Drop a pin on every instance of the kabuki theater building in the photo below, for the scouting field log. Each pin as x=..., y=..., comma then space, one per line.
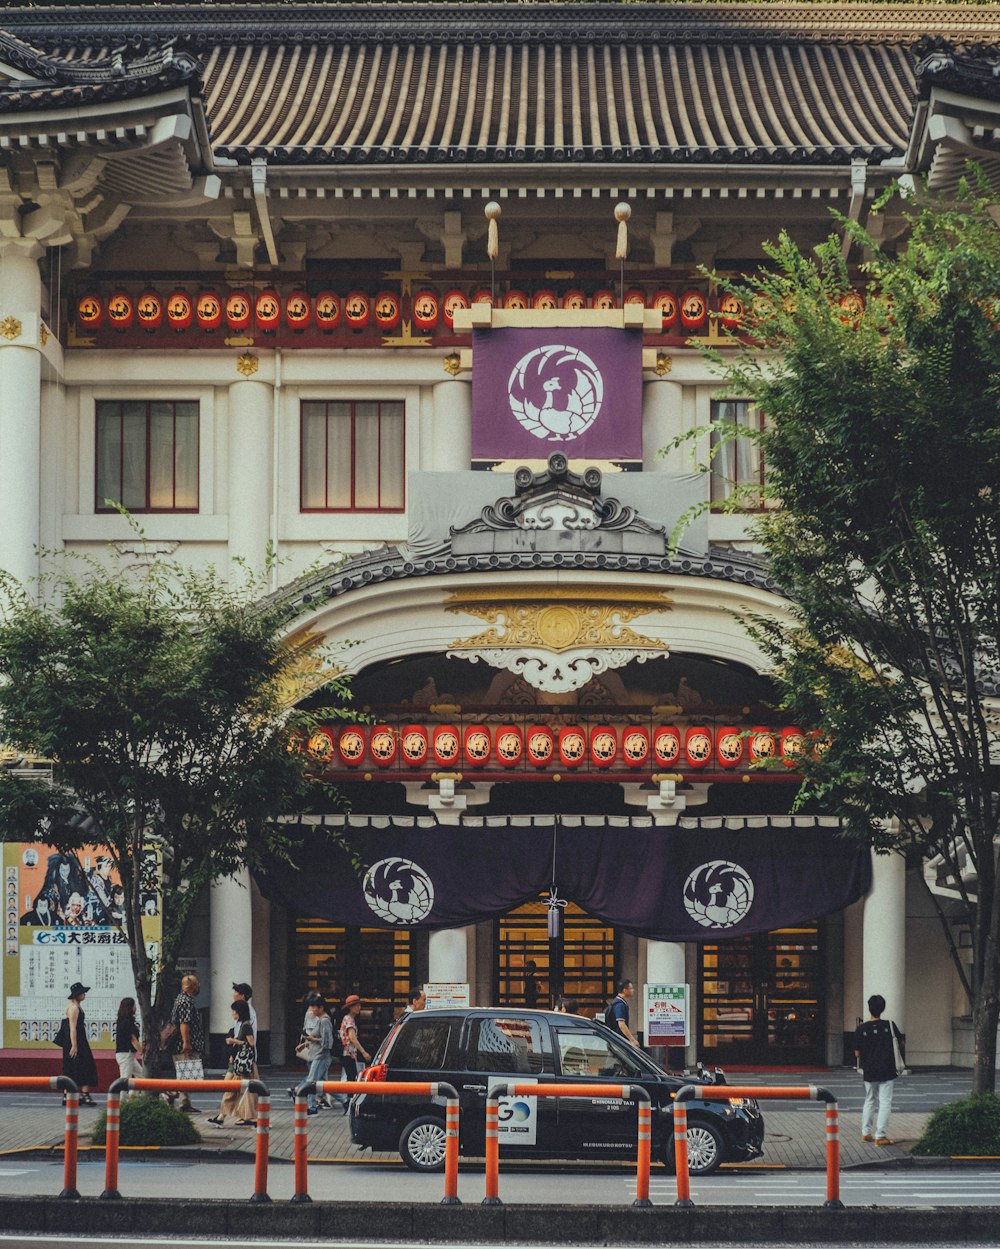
x=415, y=294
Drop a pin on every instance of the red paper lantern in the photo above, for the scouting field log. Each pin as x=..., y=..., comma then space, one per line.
x=731, y=311
x=603, y=746
x=763, y=745
x=540, y=745
x=413, y=745
x=635, y=746
x=426, y=310
x=351, y=745
x=321, y=746
x=267, y=310
x=693, y=310
x=180, y=310
x=239, y=309
x=149, y=310
x=820, y=743
x=510, y=745
x=387, y=310
x=605, y=300
x=298, y=311
x=635, y=296
x=574, y=300
x=208, y=310
x=121, y=310
x=572, y=746
x=483, y=296
x=666, y=302
x=698, y=746
x=89, y=311
x=327, y=309
x=357, y=310
x=728, y=746
x=852, y=307
x=666, y=745
x=545, y=300
x=792, y=746
x=446, y=745
x=451, y=303
x=382, y=745
x=515, y=299
x=477, y=745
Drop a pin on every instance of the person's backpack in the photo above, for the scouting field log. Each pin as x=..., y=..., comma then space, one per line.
x=608, y=1018
x=337, y=1048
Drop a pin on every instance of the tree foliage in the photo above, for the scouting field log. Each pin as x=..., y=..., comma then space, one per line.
x=882, y=455
x=164, y=697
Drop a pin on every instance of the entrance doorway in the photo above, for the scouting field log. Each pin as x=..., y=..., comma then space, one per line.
x=761, y=999
x=532, y=969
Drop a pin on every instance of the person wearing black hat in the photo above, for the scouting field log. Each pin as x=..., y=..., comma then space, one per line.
x=242, y=992
x=78, y=1061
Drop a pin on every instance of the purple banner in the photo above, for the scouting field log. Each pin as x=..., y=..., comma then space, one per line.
x=578, y=391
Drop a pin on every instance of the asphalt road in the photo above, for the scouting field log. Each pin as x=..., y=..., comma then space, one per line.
x=920, y=1188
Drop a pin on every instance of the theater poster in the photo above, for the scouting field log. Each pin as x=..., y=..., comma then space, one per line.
x=64, y=921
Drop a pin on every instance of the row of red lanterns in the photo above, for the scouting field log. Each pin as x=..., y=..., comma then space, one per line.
x=475, y=746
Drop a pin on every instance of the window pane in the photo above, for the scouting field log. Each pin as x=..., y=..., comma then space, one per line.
x=422, y=1045
x=161, y=455
x=109, y=447
x=736, y=460
x=338, y=488
x=587, y=1054
x=133, y=494
x=507, y=1045
x=186, y=455
x=366, y=442
x=314, y=455
x=391, y=455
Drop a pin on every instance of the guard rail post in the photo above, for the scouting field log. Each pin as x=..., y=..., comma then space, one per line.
x=512, y=1089
x=377, y=1088
x=64, y=1085
x=810, y=1092
x=112, y=1140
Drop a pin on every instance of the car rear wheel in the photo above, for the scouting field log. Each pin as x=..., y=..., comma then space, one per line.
x=422, y=1144
x=706, y=1151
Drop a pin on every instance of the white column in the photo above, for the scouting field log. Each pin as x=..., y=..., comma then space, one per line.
x=452, y=427
x=260, y=971
x=20, y=406
x=665, y=963
x=661, y=421
x=231, y=932
x=448, y=956
x=885, y=937
x=251, y=415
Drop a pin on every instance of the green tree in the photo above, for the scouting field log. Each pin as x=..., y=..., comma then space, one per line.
x=882, y=454
x=165, y=698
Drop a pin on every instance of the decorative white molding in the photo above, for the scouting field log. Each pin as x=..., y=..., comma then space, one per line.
x=557, y=673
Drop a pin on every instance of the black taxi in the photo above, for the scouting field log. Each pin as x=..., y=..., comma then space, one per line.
x=475, y=1048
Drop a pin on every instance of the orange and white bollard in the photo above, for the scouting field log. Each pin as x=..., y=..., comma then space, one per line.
x=645, y=1143
x=263, y=1147
x=451, y=1153
x=681, y=1155
x=70, y=1145
x=492, y=1197
x=111, y=1141
x=833, y=1201
x=300, y=1149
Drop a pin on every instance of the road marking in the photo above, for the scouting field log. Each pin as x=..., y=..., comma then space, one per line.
x=11, y=1171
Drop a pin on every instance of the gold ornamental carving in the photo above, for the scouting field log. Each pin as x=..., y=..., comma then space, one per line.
x=43, y=334
x=10, y=328
x=247, y=364
x=452, y=364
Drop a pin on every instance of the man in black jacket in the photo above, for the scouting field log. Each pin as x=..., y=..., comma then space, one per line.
x=876, y=1055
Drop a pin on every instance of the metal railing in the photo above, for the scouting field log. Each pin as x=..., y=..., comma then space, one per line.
x=113, y=1133
x=377, y=1088
x=624, y=1091
x=808, y=1092
x=59, y=1084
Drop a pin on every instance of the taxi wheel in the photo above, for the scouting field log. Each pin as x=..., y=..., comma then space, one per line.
x=422, y=1144
x=706, y=1151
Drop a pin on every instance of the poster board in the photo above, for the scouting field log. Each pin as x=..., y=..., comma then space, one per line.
x=64, y=922
x=667, y=1013
x=446, y=994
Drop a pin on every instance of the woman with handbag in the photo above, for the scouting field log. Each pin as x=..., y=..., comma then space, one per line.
x=78, y=1062
x=126, y=1041
x=242, y=1056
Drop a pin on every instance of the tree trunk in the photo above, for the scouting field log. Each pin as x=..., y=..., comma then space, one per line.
x=984, y=1022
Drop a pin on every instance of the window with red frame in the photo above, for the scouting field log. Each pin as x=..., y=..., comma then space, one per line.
x=352, y=455
x=736, y=458
x=147, y=455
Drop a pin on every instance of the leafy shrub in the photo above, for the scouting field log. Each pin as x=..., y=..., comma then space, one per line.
x=969, y=1127
x=146, y=1120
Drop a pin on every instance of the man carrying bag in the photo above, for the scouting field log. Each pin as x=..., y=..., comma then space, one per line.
x=878, y=1048
x=188, y=1042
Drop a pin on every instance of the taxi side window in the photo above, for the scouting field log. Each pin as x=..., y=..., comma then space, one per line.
x=422, y=1045
x=585, y=1054
x=507, y=1046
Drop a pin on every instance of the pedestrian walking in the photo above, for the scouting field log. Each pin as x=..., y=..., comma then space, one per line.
x=188, y=1043
x=241, y=1042
x=316, y=1048
x=617, y=1015
x=879, y=1048
x=78, y=1061
x=244, y=992
x=349, y=1037
x=127, y=1041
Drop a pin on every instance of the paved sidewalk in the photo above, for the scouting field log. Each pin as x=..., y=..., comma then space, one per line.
x=794, y=1130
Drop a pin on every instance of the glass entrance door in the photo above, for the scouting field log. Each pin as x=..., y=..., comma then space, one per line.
x=761, y=999
x=533, y=970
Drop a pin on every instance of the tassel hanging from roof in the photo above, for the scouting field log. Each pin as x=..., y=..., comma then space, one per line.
x=623, y=212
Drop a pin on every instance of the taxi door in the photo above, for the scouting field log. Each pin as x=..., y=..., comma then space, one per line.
x=507, y=1048
x=602, y=1126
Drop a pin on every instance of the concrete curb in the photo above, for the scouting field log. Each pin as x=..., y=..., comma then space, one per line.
x=522, y=1224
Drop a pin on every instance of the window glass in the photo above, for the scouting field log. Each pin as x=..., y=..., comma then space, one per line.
x=313, y=455
x=507, y=1046
x=736, y=460
x=147, y=455
x=340, y=464
x=109, y=452
x=391, y=455
x=589, y=1054
x=186, y=455
x=366, y=455
x=134, y=455
x=422, y=1045
x=352, y=455
x=161, y=455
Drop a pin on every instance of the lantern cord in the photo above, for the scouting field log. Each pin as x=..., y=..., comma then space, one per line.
x=554, y=903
